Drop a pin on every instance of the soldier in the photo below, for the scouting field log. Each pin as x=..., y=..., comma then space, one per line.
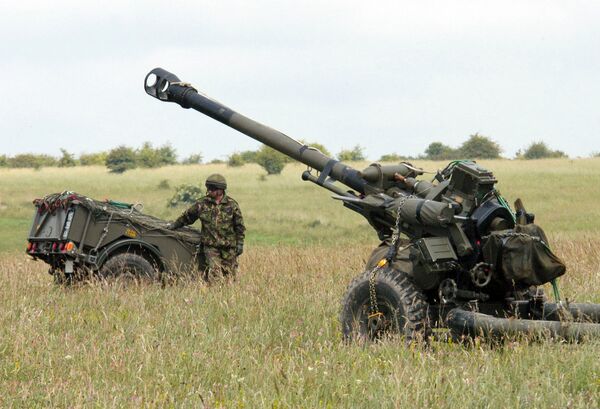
x=222, y=234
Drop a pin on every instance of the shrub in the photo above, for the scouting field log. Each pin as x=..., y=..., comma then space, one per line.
x=271, y=160
x=439, y=151
x=479, y=147
x=3, y=161
x=66, y=160
x=164, y=184
x=216, y=161
x=167, y=155
x=539, y=150
x=193, y=159
x=390, y=157
x=352, y=155
x=30, y=160
x=235, y=160
x=149, y=157
x=249, y=156
x=185, y=194
x=91, y=159
x=121, y=159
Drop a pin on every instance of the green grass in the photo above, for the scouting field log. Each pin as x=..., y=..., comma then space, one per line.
x=272, y=339
x=13, y=233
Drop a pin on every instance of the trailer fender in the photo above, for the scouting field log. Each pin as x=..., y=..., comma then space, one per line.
x=123, y=246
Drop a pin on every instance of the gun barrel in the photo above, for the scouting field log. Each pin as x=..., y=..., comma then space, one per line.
x=165, y=86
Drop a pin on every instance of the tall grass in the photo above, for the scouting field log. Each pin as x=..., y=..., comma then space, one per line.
x=271, y=339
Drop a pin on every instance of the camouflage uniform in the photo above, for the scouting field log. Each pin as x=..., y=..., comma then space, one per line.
x=221, y=236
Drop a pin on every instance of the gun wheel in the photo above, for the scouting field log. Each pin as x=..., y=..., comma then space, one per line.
x=403, y=309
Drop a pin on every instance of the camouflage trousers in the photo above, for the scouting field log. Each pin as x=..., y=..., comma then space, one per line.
x=220, y=263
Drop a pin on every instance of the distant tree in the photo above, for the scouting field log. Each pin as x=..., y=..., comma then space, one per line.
x=147, y=156
x=235, y=160
x=249, y=156
x=216, y=161
x=121, y=159
x=167, y=155
x=30, y=160
x=439, y=151
x=352, y=155
x=271, y=160
x=479, y=147
x=539, y=150
x=193, y=159
x=92, y=159
x=390, y=157
x=150, y=157
x=66, y=160
x=3, y=161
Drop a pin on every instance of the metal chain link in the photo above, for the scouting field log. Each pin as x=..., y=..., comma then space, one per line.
x=395, y=237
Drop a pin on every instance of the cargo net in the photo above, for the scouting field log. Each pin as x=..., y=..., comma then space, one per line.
x=115, y=211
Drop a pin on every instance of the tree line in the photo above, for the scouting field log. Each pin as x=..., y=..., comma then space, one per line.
x=123, y=158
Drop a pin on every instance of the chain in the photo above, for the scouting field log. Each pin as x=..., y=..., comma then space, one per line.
x=375, y=313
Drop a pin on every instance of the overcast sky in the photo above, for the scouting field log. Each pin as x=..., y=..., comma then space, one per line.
x=391, y=76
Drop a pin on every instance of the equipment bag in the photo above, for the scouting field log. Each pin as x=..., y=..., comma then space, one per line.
x=522, y=255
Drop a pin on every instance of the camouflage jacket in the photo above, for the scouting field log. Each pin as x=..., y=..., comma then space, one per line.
x=222, y=223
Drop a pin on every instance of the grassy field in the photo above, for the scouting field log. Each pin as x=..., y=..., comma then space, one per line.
x=272, y=339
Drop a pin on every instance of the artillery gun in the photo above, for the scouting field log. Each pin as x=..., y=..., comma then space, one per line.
x=452, y=254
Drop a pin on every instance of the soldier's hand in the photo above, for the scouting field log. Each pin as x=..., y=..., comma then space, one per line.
x=173, y=226
x=239, y=249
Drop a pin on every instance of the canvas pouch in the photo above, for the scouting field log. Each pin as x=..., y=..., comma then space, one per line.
x=522, y=255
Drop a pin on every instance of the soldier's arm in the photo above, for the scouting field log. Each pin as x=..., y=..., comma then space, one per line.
x=238, y=224
x=188, y=217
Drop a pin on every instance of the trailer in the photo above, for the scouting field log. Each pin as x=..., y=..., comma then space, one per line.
x=79, y=237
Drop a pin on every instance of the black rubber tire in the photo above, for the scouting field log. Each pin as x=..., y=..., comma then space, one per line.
x=128, y=266
x=403, y=305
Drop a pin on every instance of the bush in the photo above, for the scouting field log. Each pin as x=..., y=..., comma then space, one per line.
x=390, y=157
x=164, y=184
x=167, y=155
x=539, y=150
x=66, y=160
x=92, y=159
x=30, y=160
x=439, y=151
x=149, y=157
x=185, y=194
x=235, y=160
x=121, y=159
x=352, y=155
x=216, y=161
x=3, y=161
x=479, y=147
x=249, y=156
x=193, y=159
x=271, y=160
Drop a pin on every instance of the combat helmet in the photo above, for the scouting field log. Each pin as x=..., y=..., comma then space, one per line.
x=216, y=180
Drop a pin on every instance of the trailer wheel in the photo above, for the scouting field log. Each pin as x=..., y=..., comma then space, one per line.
x=403, y=308
x=127, y=266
